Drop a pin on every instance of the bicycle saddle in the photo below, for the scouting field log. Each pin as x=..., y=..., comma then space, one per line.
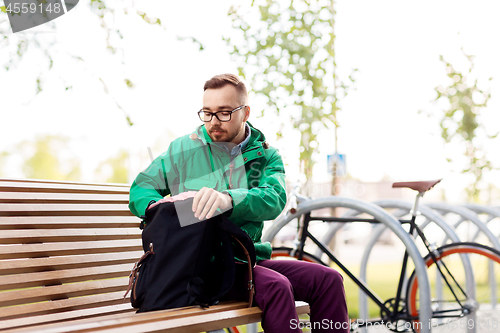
x=421, y=186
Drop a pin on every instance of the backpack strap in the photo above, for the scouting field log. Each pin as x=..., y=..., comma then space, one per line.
x=132, y=278
x=235, y=231
x=251, y=289
x=248, y=250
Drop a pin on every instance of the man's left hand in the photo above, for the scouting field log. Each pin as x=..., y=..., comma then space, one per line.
x=207, y=200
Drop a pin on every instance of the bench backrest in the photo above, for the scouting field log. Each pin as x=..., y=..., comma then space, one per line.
x=66, y=250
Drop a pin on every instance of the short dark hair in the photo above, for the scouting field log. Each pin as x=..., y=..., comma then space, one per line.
x=221, y=80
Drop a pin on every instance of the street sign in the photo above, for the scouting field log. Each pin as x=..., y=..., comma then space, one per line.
x=339, y=160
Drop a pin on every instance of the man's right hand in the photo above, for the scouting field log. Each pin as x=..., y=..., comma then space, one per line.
x=207, y=200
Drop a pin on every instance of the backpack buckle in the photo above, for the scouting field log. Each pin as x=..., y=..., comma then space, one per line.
x=250, y=285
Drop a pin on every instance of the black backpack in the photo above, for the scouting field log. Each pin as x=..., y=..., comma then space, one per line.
x=190, y=264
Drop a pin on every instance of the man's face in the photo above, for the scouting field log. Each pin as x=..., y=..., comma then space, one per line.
x=226, y=98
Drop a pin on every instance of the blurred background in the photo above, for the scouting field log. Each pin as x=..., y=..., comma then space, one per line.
x=389, y=90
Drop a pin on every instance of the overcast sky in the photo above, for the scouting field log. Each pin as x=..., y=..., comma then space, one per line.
x=395, y=45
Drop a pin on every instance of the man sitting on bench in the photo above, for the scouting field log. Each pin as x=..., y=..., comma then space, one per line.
x=249, y=187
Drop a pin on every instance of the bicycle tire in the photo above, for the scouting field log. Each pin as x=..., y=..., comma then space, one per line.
x=284, y=252
x=485, y=316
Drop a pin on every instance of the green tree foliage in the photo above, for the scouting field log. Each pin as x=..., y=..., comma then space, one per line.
x=461, y=122
x=289, y=58
x=114, y=169
x=44, y=46
x=47, y=158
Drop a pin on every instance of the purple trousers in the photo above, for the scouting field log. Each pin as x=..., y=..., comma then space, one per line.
x=279, y=283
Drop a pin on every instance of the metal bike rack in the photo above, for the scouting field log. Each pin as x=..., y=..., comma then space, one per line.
x=491, y=211
x=492, y=214
x=385, y=218
x=403, y=209
x=465, y=215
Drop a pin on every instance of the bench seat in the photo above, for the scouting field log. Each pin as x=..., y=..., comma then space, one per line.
x=66, y=250
x=188, y=319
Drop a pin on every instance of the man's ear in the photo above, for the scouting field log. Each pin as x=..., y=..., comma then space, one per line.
x=247, y=113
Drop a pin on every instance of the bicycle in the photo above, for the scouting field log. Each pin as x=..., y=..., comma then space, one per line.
x=463, y=298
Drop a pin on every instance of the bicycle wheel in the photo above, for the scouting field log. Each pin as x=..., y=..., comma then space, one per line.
x=480, y=297
x=286, y=253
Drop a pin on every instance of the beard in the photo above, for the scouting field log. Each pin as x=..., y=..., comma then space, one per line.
x=224, y=135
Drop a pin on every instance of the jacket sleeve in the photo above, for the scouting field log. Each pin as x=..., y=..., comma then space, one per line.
x=150, y=185
x=266, y=201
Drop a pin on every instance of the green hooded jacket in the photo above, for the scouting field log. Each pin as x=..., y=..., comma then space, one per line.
x=255, y=179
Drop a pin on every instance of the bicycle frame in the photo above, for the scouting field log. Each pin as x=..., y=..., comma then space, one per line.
x=394, y=314
x=304, y=234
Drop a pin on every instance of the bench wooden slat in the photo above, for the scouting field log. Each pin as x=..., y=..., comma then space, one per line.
x=7, y=186
x=124, y=319
x=193, y=324
x=67, y=222
x=64, y=249
x=19, y=266
x=120, y=318
x=66, y=235
x=63, y=198
x=8, y=282
x=199, y=323
x=92, y=314
x=50, y=293
x=69, y=304
x=63, y=210
x=48, y=181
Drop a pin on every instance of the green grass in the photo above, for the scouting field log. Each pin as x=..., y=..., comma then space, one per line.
x=382, y=280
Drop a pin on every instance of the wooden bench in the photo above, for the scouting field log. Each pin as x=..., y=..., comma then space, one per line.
x=66, y=250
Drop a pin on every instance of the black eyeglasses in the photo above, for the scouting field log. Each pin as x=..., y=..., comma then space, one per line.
x=223, y=116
